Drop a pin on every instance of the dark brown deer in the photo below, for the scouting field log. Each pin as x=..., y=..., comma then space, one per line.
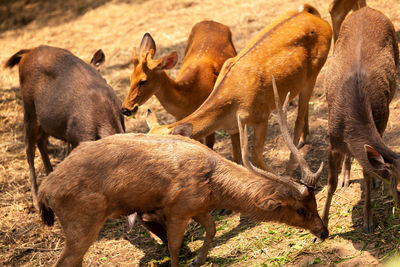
x=209, y=46
x=293, y=48
x=173, y=177
x=360, y=83
x=63, y=97
x=339, y=9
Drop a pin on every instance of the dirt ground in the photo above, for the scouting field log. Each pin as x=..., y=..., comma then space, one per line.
x=116, y=27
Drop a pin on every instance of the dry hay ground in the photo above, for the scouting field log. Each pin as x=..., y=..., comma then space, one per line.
x=117, y=26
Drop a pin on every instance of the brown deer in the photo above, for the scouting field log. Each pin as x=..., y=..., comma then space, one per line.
x=209, y=46
x=360, y=83
x=170, y=176
x=63, y=97
x=339, y=9
x=293, y=48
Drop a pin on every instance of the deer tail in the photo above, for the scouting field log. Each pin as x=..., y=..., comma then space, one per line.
x=46, y=213
x=16, y=58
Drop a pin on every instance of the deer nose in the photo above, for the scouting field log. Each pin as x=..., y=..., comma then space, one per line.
x=126, y=112
x=324, y=234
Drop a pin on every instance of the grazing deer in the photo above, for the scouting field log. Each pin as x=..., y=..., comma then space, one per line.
x=339, y=9
x=63, y=97
x=293, y=48
x=360, y=83
x=174, y=177
x=209, y=46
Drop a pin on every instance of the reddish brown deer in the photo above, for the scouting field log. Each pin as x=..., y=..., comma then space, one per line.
x=63, y=97
x=360, y=83
x=339, y=9
x=209, y=46
x=293, y=48
x=173, y=177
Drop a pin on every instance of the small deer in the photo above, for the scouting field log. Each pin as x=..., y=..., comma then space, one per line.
x=209, y=46
x=293, y=48
x=339, y=9
x=63, y=97
x=174, y=178
x=360, y=83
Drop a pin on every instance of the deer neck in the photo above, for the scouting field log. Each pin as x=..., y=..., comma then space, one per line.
x=236, y=188
x=172, y=96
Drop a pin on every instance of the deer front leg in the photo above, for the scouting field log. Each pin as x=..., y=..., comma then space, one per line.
x=236, y=151
x=334, y=159
x=260, y=133
x=368, y=226
x=301, y=126
x=176, y=226
x=208, y=223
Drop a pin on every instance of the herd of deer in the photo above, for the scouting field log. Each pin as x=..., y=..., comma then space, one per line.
x=166, y=179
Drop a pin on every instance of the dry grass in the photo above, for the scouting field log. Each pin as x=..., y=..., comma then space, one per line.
x=117, y=26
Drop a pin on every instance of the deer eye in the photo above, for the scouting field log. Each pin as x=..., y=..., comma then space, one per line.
x=301, y=212
x=141, y=83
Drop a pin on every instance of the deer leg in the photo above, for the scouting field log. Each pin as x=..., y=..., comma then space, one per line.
x=301, y=126
x=79, y=237
x=210, y=140
x=344, y=180
x=42, y=144
x=236, y=151
x=334, y=159
x=338, y=10
x=176, y=227
x=155, y=223
x=260, y=133
x=31, y=132
x=368, y=222
x=208, y=223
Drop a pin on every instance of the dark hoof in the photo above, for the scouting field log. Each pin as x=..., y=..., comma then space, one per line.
x=369, y=229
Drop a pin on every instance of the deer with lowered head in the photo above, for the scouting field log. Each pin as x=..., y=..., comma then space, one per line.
x=293, y=48
x=209, y=46
x=175, y=177
x=65, y=98
x=360, y=83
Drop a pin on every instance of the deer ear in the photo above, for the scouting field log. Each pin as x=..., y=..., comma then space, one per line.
x=147, y=45
x=269, y=204
x=98, y=58
x=185, y=129
x=168, y=61
x=374, y=158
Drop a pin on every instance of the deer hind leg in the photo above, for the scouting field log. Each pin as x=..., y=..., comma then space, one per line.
x=80, y=232
x=301, y=128
x=176, y=226
x=208, y=223
x=42, y=145
x=344, y=180
x=31, y=133
x=334, y=160
x=260, y=133
x=338, y=10
x=368, y=226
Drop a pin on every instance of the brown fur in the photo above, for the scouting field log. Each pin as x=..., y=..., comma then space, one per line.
x=65, y=98
x=360, y=83
x=209, y=46
x=173, y=175
x=293, y=49
x=339, y=9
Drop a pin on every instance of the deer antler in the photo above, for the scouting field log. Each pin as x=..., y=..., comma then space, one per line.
x=244, y=143
x=307, y=176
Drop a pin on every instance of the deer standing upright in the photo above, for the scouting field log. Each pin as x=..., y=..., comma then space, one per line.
x=293, y=48
x=209, y=46
x=63, y=97
x=360, y=83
